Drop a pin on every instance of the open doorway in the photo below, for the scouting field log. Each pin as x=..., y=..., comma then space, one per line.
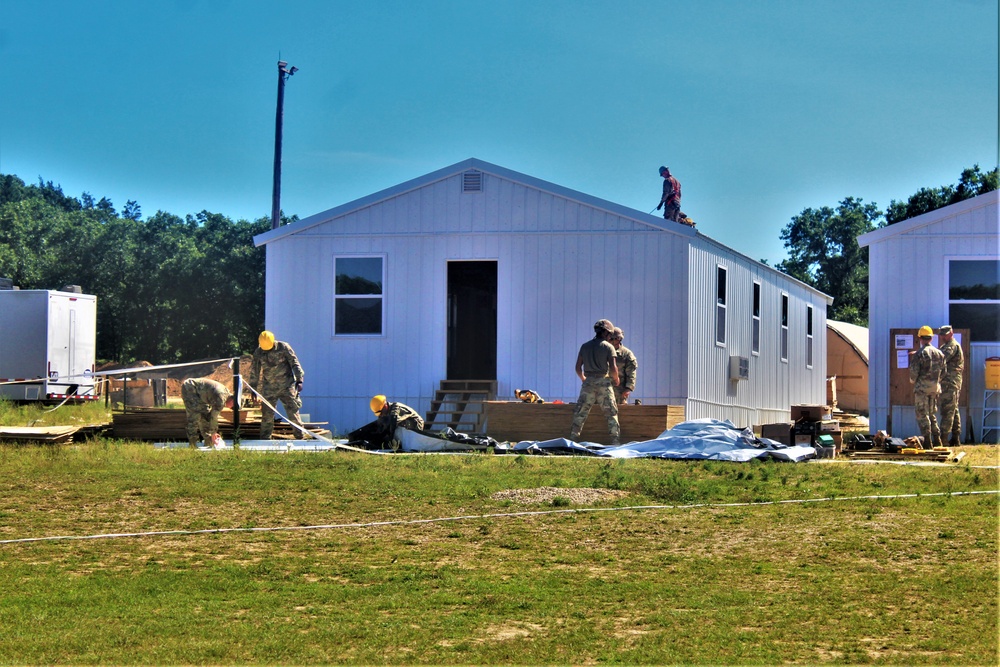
x=472, y=320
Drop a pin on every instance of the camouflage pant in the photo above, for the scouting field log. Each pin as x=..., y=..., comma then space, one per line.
x=925, y=406
x=289, y=400
x=596, y=391
x=672, y=211
x=951, y=417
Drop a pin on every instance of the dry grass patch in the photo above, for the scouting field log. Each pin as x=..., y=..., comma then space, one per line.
x=550, y=494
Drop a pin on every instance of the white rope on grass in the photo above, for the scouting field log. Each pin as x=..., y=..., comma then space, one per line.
x=475, y=517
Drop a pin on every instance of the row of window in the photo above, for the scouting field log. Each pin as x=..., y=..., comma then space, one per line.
x=721, y=302
x=973, y=302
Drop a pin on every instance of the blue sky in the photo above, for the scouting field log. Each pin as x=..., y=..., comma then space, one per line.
x=761, y=109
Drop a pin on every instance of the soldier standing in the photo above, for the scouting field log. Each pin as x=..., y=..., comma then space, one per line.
x=670, y=201
x=596, y=367
x=277, y=375
x=203, y=401
x=951, y=386
x=926, y=367
x=627, y=366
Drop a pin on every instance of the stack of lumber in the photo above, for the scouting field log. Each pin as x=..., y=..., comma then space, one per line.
x=44, y=434
x=514, y=421
x=941, y=454
x=170, y=424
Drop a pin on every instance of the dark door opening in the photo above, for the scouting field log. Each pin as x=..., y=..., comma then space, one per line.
x=472, y=320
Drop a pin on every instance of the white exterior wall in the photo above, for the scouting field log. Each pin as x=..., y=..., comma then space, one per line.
x=561, y=267
x=908, y=287
x=774, y=385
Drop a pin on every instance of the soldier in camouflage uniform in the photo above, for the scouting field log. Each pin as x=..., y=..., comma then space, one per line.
x=627, y=366
x=596, y=367
x=392, y=416
x=926, y=368
x=203, y=401
x=951, y=386
x=277, y=375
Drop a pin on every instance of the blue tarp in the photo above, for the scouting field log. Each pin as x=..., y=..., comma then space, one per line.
x=709, y=439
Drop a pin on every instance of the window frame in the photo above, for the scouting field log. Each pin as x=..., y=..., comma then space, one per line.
x=951, y=303
x=721, y=304
x=755, y=309
x=809, y=335
x=783, y=321
x=344, y=297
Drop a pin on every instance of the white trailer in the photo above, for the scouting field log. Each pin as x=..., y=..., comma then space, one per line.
x=48, y=345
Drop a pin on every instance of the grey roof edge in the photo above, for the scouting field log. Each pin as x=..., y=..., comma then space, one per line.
x=929, y=218
x=457, y=168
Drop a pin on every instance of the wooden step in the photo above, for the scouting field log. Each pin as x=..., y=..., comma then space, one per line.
x=460, y=405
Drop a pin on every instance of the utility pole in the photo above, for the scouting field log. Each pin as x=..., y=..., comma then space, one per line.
x=283, y=73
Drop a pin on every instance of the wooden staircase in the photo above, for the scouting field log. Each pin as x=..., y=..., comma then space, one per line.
x=460, y=405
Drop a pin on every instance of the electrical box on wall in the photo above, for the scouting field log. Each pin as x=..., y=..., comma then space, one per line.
x=739, y=368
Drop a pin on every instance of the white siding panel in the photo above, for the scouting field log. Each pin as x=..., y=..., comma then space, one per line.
x=773, y=385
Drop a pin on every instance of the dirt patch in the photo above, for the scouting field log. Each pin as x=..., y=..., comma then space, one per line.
x=547, y=494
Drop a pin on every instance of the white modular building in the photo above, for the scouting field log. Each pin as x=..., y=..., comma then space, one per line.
x=942, y=267
x=479, y=272
x=48, y=343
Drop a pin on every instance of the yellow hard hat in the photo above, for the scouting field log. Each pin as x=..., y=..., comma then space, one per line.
x=926, y=332
x=266, y=340
x=378, y=402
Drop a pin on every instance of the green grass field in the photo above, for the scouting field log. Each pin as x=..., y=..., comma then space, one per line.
x=434, y=559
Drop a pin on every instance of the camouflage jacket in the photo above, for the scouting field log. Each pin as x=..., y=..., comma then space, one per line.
x=277, y=368
x=400, y=415
x=627, y=366
x=954, y=364
x=211, y=395
x=926, y=368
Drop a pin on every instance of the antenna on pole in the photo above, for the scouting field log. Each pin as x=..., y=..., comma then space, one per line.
x=284, y=71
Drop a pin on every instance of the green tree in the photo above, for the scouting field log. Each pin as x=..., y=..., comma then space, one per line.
x=824, y=252
x=971, y=183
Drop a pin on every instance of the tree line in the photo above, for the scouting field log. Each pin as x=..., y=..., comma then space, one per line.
x=174, y=289
x=169, y=289
x=822, y=244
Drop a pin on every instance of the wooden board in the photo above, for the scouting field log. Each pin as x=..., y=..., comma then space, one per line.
x=51, y=434
x=514, y=421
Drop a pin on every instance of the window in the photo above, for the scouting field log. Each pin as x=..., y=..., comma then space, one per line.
x=974, y=297
x=720, y=305
x=784, y=327
x=755, y=321
x=358, y=298
x=809, y=336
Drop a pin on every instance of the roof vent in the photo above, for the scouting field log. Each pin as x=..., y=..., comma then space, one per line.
x=472, y=181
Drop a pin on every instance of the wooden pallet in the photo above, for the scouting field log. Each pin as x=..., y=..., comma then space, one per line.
x=460, y=405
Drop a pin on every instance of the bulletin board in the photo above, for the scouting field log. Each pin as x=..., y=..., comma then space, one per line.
x=901, y=341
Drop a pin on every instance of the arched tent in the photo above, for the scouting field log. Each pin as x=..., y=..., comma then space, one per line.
x=847, y=361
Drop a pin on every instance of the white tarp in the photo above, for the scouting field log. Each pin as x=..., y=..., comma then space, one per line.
x=695, y=439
